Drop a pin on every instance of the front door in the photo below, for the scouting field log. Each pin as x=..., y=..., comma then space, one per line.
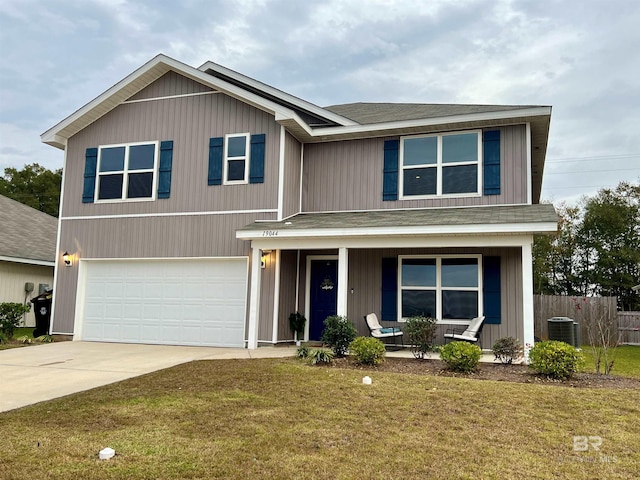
x=323, y=295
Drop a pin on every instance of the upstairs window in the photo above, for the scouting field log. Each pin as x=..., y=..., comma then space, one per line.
x=440, y=165
x=126, y=172
x=236, y=158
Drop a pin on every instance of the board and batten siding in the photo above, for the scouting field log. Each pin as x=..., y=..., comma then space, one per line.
x=146, y=237
x=287, y=300
x=347, y=175
x=190, y=122
x=171, y=83
x=365, y=278
x=292, y=166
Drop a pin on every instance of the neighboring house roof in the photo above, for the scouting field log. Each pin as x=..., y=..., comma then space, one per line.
x=27, y=235
x=442, y=221
x=310, y=123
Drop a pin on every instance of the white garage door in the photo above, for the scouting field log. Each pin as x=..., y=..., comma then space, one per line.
x=171, y=302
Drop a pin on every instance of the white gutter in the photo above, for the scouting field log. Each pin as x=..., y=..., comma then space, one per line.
x=395, y=231
x=27, y=261
x=427, y=122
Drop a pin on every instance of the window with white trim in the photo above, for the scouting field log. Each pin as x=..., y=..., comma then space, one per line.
x=443, y=287
x=127, y=172
x=236, y=158
x=441, y=165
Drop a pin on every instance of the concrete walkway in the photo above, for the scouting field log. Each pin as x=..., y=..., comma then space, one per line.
x=42, y=372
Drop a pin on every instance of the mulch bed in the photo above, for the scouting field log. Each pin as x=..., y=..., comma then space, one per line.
x=490, y=371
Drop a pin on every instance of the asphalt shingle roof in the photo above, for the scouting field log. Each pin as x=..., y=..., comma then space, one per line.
x=369, y=113
x=509, y=214
x=26, y=233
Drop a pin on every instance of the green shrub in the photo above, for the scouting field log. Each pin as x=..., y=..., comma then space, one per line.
x=10, y=316
x=302, y=351
x=367, y=350
x=320, y=356
x=3, y=338
x=338, y=333
x=420, y=331
x=507, y=349
x=555, y=359
x=26, y=339
x=461, y=356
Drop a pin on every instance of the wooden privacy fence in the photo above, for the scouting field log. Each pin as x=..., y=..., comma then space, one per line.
x=581, y=309
x=629, y=327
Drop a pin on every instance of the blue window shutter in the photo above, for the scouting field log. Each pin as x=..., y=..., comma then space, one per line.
x=390, y=178
x=215, y=161
x=164, y=172
x=389, y=309
x=491, y=161
x=256, y=159
x=491, y=286
x=90, y=165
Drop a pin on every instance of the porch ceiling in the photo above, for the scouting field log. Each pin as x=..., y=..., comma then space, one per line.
x=512, y=219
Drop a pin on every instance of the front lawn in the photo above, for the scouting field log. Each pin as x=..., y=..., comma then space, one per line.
x=278, y=418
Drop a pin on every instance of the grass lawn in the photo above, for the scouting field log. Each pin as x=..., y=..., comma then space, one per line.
x=627, y=360
x=279, y=418
x=18, y=333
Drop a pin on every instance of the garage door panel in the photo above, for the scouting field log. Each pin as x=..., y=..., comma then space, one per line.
x=186, y=302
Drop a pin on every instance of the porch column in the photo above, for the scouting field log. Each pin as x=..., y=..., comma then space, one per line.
x=343, y=280
x=254, y=299
x=527, y=296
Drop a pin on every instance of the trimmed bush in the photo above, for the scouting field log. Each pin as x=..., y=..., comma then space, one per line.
x=10, y=316
x=320, y=356
x=338, y=333
x=367, y=350
x=555, y=359
x=507, y=349
x=420, y=331
x=461, y=356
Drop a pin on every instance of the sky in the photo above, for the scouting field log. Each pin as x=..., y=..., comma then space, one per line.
x=582, y=57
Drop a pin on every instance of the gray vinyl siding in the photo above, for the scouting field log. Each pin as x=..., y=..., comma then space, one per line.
x=190, y=122
x=365, y=278
x=267, y=289
x=348, y=175
x=171, y=83
x=292, y=166
x=287, y=302
x=148, y=237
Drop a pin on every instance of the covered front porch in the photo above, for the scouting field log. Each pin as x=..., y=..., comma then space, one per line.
x=396, y=265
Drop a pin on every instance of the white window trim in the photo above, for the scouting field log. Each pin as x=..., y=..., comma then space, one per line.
x=439, y=288
x=246, y=159
x=439, y=166
x=125, y=173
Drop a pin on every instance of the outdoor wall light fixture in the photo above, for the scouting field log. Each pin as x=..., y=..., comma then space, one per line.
x=66, y=258
x=263, y=258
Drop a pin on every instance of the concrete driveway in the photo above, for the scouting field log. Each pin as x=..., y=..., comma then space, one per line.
x=37, y=373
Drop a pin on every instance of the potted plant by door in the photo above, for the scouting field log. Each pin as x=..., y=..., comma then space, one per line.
x=297, y=323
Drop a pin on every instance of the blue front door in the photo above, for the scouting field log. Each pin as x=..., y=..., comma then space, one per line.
x=323, y=296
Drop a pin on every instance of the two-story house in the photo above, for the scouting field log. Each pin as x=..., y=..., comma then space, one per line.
x=202, y=207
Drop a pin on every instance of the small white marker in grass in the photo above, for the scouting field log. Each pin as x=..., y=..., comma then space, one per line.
x=107, y=453
x=366, y=380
